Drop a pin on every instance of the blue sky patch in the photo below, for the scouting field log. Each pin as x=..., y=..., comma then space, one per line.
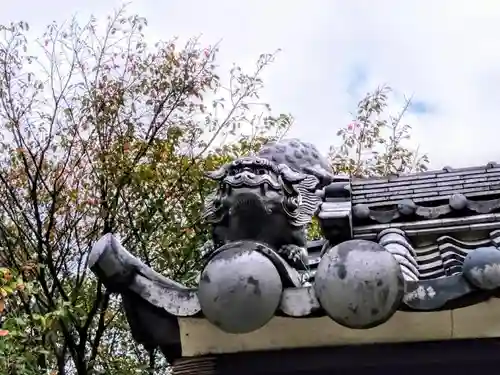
x=357, y=80
x=420, y=107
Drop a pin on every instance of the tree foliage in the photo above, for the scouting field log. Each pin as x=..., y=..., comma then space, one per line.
x=375, y=142
x=101, y=132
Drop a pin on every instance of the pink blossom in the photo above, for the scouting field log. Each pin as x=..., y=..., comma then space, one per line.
x=353, y=125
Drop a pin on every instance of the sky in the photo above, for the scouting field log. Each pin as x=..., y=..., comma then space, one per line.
x=445, y=54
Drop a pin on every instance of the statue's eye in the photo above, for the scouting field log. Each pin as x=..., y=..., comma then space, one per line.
x=261, y=171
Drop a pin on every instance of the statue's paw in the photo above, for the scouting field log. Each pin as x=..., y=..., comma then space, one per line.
x=295, y=255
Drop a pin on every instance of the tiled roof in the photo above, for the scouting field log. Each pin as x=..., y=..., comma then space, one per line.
x=427, y=186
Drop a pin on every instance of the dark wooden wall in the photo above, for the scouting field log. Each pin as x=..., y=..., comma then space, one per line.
x=465, y=357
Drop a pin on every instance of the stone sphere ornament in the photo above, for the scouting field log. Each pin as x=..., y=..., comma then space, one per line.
x=359, y=284
x=458, y=201
x=482, y=268
x=361, y=211
x=407, y=207
x=240, y=288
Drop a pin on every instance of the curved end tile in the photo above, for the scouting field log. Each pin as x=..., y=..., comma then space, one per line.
x=428, y=295
x=177, y=302
x=120, y=271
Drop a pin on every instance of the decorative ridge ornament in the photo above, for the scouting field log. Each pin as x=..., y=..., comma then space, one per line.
x=260, y=264
x=269, y=198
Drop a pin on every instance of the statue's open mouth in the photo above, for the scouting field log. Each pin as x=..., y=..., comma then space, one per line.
x=247, y=200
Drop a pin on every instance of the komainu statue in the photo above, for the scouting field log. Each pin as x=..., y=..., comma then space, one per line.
x=382, y=251
x=270, y=197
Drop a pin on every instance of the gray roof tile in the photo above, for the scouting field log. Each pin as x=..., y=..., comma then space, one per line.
x=427, y=186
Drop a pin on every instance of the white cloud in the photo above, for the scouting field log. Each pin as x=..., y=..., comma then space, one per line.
x=444, y=53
